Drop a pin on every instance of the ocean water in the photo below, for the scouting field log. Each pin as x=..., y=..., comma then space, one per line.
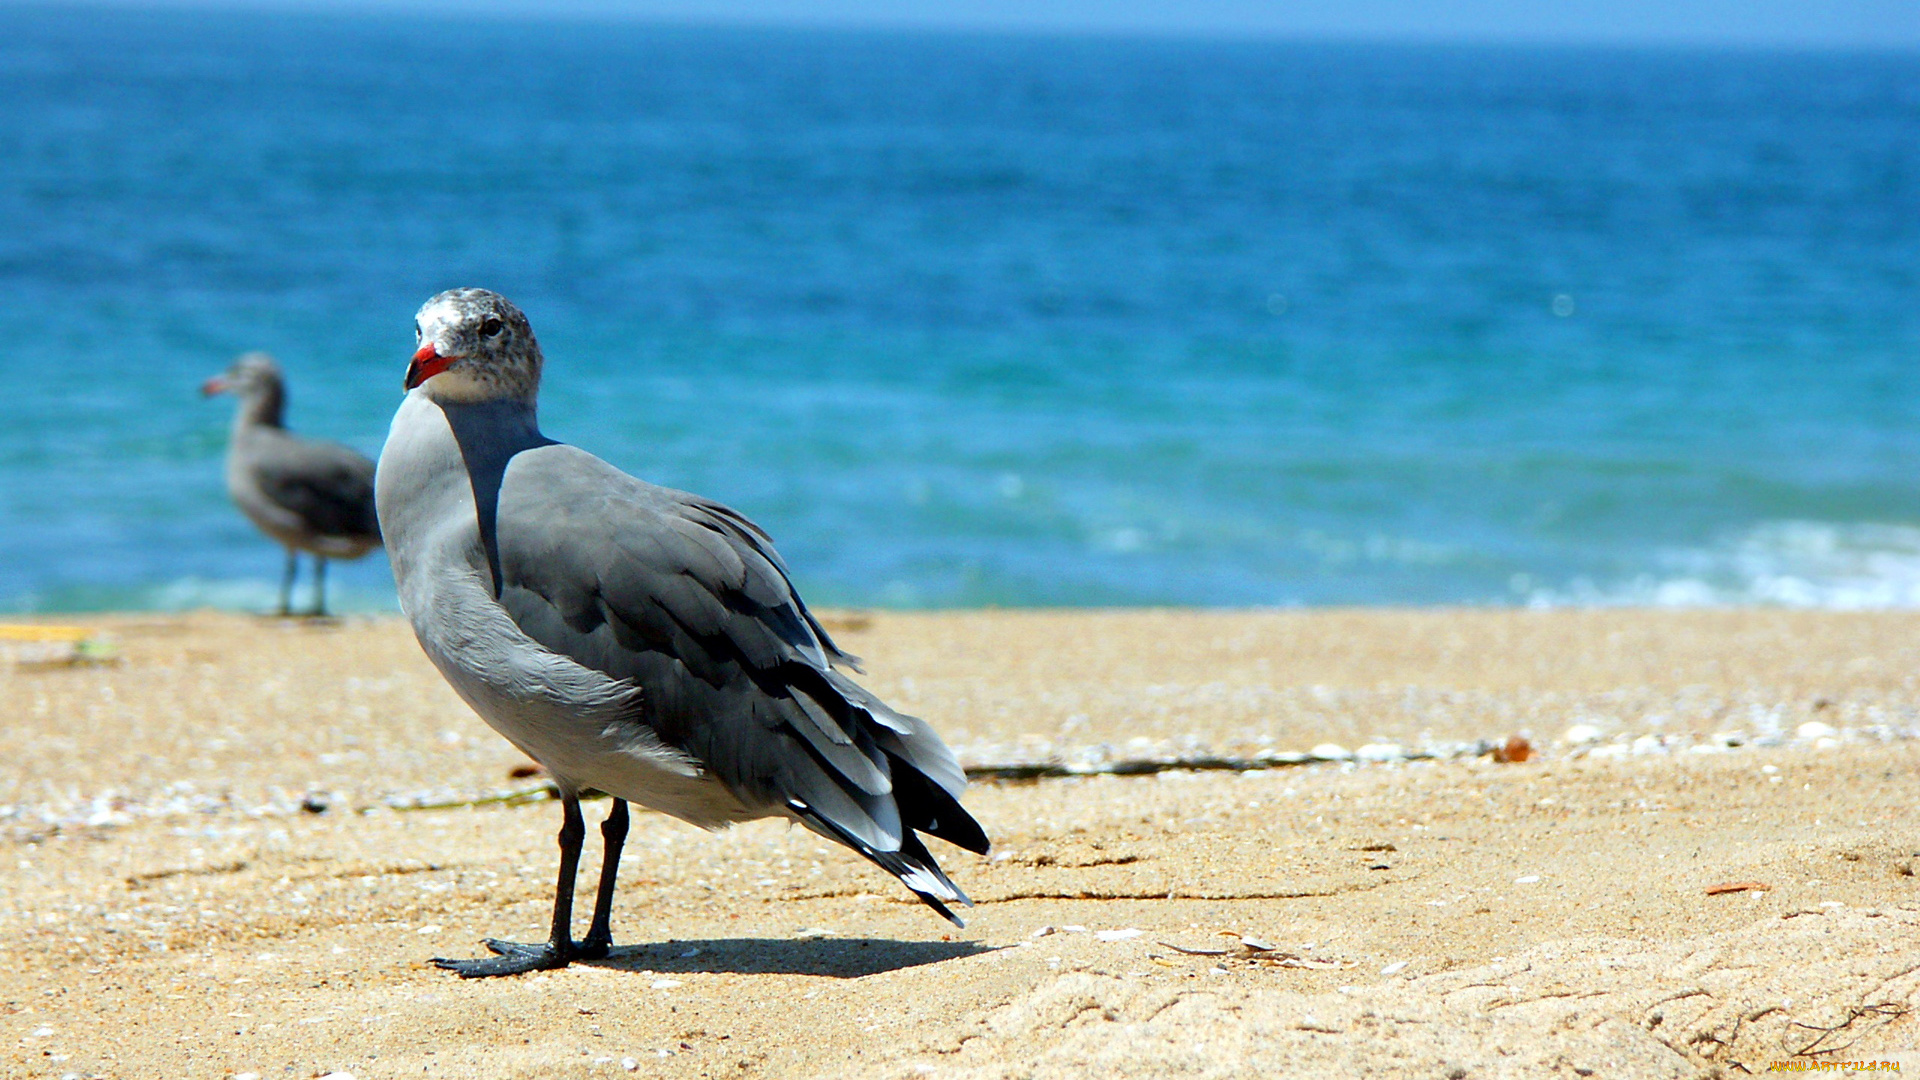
x=972, y=320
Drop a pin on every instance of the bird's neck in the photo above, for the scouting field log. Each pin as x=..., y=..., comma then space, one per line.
x=491, y=432
x=264, y=406
x=484, y=386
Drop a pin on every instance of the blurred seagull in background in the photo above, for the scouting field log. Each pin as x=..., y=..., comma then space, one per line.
x=631, y=638
x=309, y=495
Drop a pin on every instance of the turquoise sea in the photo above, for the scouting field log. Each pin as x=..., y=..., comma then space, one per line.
x=970, y=320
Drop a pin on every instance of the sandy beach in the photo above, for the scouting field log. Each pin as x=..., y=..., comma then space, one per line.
x=234, y=843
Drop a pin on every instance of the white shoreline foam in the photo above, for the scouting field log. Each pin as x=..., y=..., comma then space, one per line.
x=1796, y=564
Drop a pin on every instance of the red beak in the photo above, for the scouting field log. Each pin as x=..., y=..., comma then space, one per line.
x=215, y=385
x=426, y=364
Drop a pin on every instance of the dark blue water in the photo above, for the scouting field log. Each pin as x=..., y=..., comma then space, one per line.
x=972, y=320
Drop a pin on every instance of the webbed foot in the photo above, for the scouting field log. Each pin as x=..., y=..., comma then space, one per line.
x=513, y=958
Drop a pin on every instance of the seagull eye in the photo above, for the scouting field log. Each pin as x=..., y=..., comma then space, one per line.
x=491, y=327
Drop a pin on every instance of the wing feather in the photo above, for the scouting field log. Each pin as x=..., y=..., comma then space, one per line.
x=688, y=601
x=327, y=486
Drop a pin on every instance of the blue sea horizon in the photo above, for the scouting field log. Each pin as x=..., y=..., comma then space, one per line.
x=978, y=320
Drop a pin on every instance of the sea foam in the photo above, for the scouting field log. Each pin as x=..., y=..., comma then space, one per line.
x=1798, y=564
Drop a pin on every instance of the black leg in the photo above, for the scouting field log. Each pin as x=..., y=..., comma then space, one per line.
x=514, y=957
x=599, y=937
x=286, y=584
x=319, y=586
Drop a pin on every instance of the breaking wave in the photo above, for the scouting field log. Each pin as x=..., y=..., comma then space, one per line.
x=1798, y=564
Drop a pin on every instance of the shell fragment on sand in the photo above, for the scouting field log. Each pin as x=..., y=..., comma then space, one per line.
x=1514, y=750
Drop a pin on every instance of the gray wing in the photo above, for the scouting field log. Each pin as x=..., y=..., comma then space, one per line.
x=687, y=600
x=328, y=486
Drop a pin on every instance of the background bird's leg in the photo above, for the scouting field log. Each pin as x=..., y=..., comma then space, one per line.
x=557, y=950
x=286, y=583
x=319, y=585
x=599, y=937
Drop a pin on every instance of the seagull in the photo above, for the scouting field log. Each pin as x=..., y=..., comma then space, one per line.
x=310, y=495
x=633, y=639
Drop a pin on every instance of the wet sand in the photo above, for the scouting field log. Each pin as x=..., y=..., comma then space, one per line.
x=234, y=849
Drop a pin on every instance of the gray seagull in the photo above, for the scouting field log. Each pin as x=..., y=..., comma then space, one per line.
x=631, y=638
x=309, y=495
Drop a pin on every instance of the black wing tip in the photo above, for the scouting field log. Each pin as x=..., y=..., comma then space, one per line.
x=971, y=837
x=940, y=906
x=956, y=827
x=912, y=859
x=932, y=809
x=945, y=911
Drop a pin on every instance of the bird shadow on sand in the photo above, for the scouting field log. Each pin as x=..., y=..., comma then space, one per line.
x=837, y=958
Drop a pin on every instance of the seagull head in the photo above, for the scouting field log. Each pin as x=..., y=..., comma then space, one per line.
x=474, y=345
x=252, y=374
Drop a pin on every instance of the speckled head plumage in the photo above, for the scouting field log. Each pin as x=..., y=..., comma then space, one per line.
x=474, y=345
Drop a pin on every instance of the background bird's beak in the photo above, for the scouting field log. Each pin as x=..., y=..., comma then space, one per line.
x=215, y=385
x=426, y=364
